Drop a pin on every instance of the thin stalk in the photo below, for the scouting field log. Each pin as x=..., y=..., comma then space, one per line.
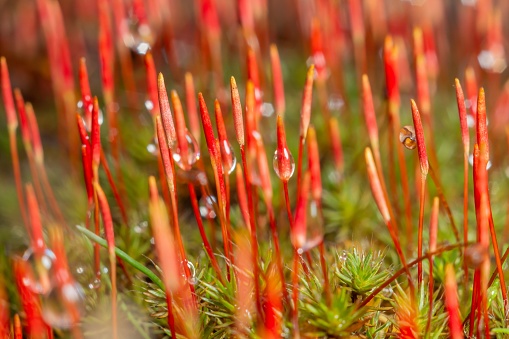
x=288, y=207
x=49, y=194
x=18, y=331
x=296, y=256
x=299, y=162
x=178, y=236
x=383, y=206
x=206, y=244
x=26, y=137
x=498, y=262
x=421, y=221
x=113, y=266
x=171, y=317
x=254, y=237
x=295, y=294
x=97, y=230
x=17, y=176
x=465, y=213
x=404, y=185
x=114, y=189
x=403, y=269
x=275, y=239
x=39, y=162
x=326, y=284
x=433, y=229
x=443, y=202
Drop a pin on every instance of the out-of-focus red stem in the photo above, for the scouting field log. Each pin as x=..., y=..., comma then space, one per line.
x=12, y=125
x=466, y=148
x=305, y=118
x=277, y=81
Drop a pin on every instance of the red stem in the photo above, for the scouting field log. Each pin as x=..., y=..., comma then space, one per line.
x=254, y=237
x=17, y=177
x=421, y=221
x=208, y=248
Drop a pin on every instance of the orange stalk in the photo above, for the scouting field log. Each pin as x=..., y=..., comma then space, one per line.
x=192, y=112
x=433, y=230
x=466, y=149
x=12, y=125
x=451, y=303
x=151, y=80
x=170, y=179
x=165, y=247
x=383, y=207
x=215, y=158
x=18, y=331
x=27, y=139
x=240, y=135
x=305, y=118
x=39, y=162
x=245, y=282
x=104, y=207
x=277, y=81
x=423, y=161
x=483, y=142
x=274, y=306
x=263, y=168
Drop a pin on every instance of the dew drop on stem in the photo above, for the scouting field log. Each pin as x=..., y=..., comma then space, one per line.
x=228, y=157
x=471, y=161
x=63, y=306
x=207, y=206
x=192, y=155
x=152, y=147
x=407, y=137
x=283, y=164
x=40, y=273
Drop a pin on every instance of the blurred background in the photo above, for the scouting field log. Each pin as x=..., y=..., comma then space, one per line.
x=43, y=41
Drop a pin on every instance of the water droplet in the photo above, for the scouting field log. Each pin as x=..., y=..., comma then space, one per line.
x=193, y=176
x=228, y=157
x=207, y=206
x=142, y=48
x=470, y=121
x=407, y=137
x=192, y=155
x=471, y=161
x=152, y=147
x=267, y=109
x=343, y=256
x=387, y=292
x=40, y=273
x=141, y=227
x=149, y=105
x=284, y=165
x=63, y=306
x=335, y=102
x=94, y=284
x=493, y=60
x=192, y=278
x=137, y=36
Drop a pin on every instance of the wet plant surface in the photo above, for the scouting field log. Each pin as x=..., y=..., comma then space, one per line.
x=251, y=169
